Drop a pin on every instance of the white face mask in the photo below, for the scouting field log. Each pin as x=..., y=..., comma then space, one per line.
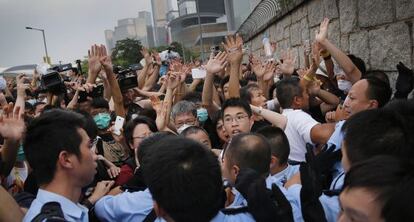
x=344, y=85
x=182, y=128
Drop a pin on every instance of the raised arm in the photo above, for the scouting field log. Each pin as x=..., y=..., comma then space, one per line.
x=275, y=118
x=214, y=65
x=351, y=71
x=106, y=62
x=142, y=75
x=233, y=47
x=94, y=54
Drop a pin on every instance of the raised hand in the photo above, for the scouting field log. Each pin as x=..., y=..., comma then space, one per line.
x=405, y=81
x=233, y=46
x=288, y=65
x=94, y=56
x=323, y=31
x=156, y=56
x=173, y=80
x=11, y=124
x=216, y=63
x=146, y=55
x=316, y=53
x=105, y=60
x=21, y=83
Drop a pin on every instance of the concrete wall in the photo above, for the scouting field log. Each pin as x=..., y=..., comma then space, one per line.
x=378, y=31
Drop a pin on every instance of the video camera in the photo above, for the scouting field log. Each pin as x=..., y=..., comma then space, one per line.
x=62, y=67
x=127, y=78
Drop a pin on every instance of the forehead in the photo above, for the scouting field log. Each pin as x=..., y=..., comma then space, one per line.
x=234, y=110
x=183, y=116
x=360, y=88
x=141, y=128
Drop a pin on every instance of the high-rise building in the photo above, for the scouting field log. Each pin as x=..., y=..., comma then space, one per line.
x=159, y=13
x=139, y=28
x=186, y=28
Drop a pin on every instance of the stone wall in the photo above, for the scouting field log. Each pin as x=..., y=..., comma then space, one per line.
x=378, y=31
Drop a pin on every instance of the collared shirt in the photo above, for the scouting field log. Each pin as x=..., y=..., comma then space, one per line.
x=71, y=211
x=127, y=206
x=283, y=176
x=336, y=139
x=298, y=131
x=135, y=206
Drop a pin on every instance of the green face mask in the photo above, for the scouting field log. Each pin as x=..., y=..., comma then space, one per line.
x=102, y=120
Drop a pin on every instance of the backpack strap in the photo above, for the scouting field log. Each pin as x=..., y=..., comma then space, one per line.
x=50, y=212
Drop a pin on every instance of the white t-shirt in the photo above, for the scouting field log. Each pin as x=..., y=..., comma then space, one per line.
x=298, y=132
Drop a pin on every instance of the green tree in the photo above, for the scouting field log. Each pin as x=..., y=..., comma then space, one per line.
x=126, y=52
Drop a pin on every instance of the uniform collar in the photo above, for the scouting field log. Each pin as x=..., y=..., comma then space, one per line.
x=69, y=208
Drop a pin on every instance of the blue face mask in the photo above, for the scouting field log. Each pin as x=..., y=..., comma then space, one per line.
x=20, y=154
x=202, y=114
x=102, y=120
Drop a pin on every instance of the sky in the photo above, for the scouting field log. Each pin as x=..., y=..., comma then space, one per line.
x=71, y=27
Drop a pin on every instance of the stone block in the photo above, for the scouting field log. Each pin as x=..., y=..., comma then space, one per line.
x=286, y=32
x=375, y=12
x=348, y=15
x=299, y=13
x=312, y=33
x=295, y=52
x=345, y=43
x=404, y=9
x=301, y=57
x=392, y=76
x=331, y=9
x=279, y=29
x=359, y=46
x=389, y=45
x=295, y=34
x=334, y=32
x=315, y=12
x=304, y=27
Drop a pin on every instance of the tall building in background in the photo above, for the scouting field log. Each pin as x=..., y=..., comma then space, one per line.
x=237, y=12
x=159, y=13
x=186, y=28
x=139, y=28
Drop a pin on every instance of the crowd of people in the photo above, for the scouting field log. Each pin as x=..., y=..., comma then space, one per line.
x=256, y=141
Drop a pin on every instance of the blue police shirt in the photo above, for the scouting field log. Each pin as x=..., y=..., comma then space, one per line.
x=71, y=211
x=283, y=176
x=336, y=139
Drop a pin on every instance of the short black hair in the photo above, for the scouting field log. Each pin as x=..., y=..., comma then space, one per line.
x=184, y=179
x=99, y=102
x=378, y=90
x=279, y=143
x=223, y=81
x=237, y=102
x=358, y=62
x=130, y=126
x=89, y=125
x=286, y=90
x=246, y=91
x=51, y=133
x=391, y=180
x=147, y=143
x=249, y=150
x=376, y=132
x=378, y=74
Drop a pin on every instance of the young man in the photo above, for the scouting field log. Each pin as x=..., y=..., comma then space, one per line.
x=237, y=116
x=280, y=170
x=58, y=150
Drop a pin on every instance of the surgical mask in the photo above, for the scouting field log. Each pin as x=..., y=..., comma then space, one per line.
x=3, y=83
x=344, y=85
x=102, y=120
x=20, y=154
x=182, y=128
x=202, y=114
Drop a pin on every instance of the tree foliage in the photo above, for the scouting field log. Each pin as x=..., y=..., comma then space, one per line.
x=126, y=52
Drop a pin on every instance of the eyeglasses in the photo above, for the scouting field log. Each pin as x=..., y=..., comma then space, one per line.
x=188, y=122
x=238, y=118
